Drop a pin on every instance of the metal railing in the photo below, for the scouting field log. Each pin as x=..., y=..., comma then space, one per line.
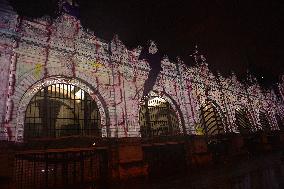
x=59, y=168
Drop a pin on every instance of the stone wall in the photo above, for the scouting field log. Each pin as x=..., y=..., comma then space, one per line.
x=39, y=52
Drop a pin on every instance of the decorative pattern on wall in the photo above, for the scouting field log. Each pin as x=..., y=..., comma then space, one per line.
x=41, y=52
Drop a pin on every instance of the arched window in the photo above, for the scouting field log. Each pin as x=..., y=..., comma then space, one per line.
x=242, y=121
x=61, y=110
x=157, y=117
x=210, y=120
x=264, y=121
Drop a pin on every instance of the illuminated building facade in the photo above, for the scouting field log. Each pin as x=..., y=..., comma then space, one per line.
x=72, y=111
x=58, y=79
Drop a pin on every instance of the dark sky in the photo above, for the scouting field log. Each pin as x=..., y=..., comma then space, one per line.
x=235, y=35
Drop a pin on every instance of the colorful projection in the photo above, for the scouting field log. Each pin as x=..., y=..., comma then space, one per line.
x=38, y=53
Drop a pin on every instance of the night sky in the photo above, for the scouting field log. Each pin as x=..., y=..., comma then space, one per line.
x=234, y=35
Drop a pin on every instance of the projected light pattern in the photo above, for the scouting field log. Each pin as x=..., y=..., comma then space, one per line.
x=36, y=53
x=61, y=110
x=243, y=121
x=157, y=118
x=211, y=121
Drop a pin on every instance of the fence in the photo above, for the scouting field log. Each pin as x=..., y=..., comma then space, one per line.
x=57, y=169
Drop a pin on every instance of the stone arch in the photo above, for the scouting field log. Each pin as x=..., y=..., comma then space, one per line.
x=245, y=119
x=173, y=104
x=210, y=111
x=34, y=88
x=264, y=120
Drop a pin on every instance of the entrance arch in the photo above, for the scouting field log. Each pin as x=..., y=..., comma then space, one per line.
x=211, y=121
x=243, y=121
x=264, y=121
x=158, y=117
x=35, y=88
x=61, y=110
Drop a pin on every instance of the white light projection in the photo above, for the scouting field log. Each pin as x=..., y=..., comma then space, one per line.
x=41, y=52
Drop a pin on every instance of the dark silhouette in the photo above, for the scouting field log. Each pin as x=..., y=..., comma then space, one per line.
x=153, y=57
x=70, y=8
